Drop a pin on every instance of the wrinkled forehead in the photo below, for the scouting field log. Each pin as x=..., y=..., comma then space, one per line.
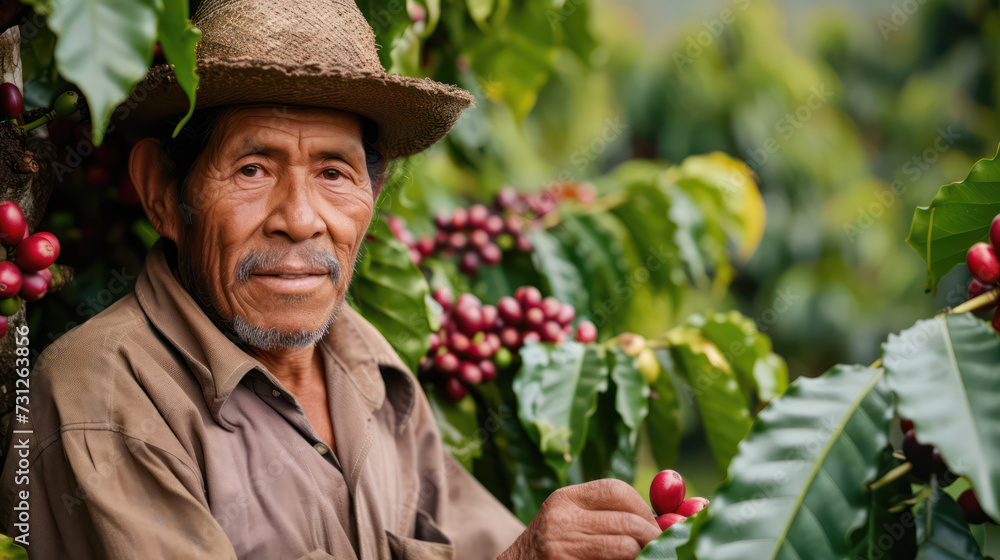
x=253, y=126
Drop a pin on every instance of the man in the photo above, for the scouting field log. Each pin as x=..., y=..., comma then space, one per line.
x=233, y=406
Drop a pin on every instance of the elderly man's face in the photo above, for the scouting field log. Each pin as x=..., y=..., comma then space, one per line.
x=282, y=201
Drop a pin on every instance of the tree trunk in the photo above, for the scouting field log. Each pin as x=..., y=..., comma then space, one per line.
x=30, y=190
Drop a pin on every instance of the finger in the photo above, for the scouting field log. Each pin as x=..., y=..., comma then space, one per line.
x=619, y=523
x=604, y=547
x=610, y=494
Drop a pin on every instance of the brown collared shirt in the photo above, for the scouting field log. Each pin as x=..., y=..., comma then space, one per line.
x=153, y=435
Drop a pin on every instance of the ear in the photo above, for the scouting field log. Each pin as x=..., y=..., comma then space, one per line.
x=157, y=192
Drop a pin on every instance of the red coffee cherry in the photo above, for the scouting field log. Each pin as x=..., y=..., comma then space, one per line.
x=510, y=310
x=668, y=519
x=691, y=506
x=666, y=492
x=528, y=296
x=35, y=253
x=491, y=254
x=454, y=389
x=470, y=373
x=974, y=513
x=11, y=101
x=586, y=332
x=33, y=286
x=446, y=363
x=488, y=369
x=10, y=279
x=12, y=223
x=983, y=263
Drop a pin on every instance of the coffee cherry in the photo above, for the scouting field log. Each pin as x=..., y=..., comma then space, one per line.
x=586, y=332
x=459, y=218
x=426, y=246
x=506, y=197
x=566, y=314
x=550, y=306
x=470, y=373
x=435, y=341
x=10, y=306
x=488, y=370
x=12, y=223
x=906, y=425
x=46, y=273
x=454, y=389
x=469, y=319
x=10, y=279
x=528, y=296
x=478, y=214
x=666, y=492
x=510, y=310
x=33, y=286
x=446, y=363
x=444, y=297
x=510, y=337
x=530, y=337
x=34, y=253
x=67, y=103
x=468, y=300
x=470, y=264
x=691, y=506
x=494, y=225
x=457, y=240
x=632, y=343
x=11, y=102
x=974, y=513
x=551, y=331
x=983, y=263
x=479, y=238
x=503, y=357
x=491, y=254
x=443, y=222
x=668, y=519
x=649, y=366
x=534, y=318
x=493, y=340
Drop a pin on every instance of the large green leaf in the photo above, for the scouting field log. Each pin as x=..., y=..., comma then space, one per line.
x=944, y=374
x=797, y=489
x=666, y=545
x=747, y=350
x=459, y=427
x=388, y=20
x=664, y=424
x=557, y=388
x=958, y=216
x=721, y=403
x=178, y=38
x=104, y=47
x=942, y=531
x=631, y=391
x=391, y=293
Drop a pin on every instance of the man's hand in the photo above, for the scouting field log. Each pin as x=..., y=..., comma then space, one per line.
x=604, y=519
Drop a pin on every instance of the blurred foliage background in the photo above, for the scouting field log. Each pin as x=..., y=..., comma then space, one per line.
x=849, y=116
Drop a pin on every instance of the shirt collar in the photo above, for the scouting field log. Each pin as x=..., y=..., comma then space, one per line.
x=219, y=363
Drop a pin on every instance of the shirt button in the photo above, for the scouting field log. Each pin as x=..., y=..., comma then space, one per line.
x=320, y=448
x=276, y=393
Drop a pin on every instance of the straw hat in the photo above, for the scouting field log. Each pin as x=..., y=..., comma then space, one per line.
x=318, y=53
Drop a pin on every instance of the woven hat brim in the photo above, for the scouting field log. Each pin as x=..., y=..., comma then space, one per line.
x=411, y=113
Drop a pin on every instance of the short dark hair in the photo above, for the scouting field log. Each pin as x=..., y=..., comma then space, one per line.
x=178, y=155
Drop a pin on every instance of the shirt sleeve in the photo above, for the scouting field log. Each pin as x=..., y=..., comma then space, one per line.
x=98, y=493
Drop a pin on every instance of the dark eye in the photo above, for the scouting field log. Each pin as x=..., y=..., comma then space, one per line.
x=249, y=170
x=332, y=174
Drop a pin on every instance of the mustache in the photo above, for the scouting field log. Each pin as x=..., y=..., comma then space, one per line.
x=262, y=260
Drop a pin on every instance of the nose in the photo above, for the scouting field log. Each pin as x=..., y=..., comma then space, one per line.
x=293, y=210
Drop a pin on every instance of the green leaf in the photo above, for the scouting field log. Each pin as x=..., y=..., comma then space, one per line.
x=562, y=278
x=178, y=38
x=723, y=408
x=388, y=20
x=557, y=389
x=747, y=350
x=480, y=10
x=944, y=374
x=512, y=69
x=631, y=391
x=458, y=425
x=958, y=216
x=797, y=489
x=104, y=47
x=942, y=531
x=664, y=424
x=10, y=550
x=665, y=546
x=391, y=293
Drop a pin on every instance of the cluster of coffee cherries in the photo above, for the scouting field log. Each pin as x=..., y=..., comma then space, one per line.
x=925, y=460
x=531, y=207
x=666, y=495
x=478, y=236
x=476, y=340
x=25, y=274
x=985, y=268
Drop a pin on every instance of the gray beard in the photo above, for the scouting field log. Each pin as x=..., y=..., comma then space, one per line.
x=241, y=331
